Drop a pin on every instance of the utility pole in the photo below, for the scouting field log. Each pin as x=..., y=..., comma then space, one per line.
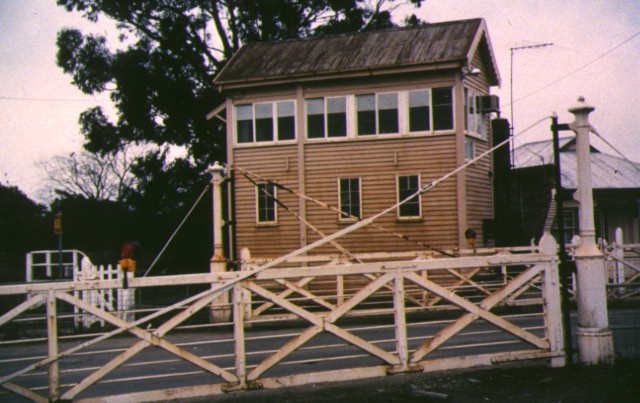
x=567, y=266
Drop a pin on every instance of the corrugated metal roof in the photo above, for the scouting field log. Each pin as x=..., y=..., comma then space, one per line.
x=607, y=171
x=432, y=43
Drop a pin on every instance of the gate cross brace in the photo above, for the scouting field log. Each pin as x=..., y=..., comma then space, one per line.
x=476, y=311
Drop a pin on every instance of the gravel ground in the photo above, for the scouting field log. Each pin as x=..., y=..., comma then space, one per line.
x=618, y=383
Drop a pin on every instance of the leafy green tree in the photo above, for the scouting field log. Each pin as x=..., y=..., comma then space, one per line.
x=160, y=79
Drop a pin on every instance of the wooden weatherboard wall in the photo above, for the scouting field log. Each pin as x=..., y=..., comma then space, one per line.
x=313, y=166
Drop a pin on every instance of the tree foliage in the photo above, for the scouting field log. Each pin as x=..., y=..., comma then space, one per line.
x=160, y=79
x=22, y=228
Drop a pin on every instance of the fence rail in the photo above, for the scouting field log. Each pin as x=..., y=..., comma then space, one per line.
x=420, y=323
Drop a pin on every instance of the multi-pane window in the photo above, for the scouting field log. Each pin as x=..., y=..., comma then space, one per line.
x=377, y=113
x=408, y=186
x=265, y=122
x=442, y=108
x=349, y=199
x=430, y=109
x=266, y=203
x=333, y=123
x=474, y=119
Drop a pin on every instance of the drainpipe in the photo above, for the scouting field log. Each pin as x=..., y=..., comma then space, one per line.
x=595, y=341
x=220, y=309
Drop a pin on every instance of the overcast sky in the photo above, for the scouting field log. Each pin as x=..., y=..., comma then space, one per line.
x=595, y=54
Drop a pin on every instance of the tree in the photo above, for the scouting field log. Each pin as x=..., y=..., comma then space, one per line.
x=23, y=227
x=93, y=175
x=160, y=80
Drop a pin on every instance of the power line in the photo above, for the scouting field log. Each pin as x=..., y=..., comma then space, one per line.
x=5, y=98
x=579, y=68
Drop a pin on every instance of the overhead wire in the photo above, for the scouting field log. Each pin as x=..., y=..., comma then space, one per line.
x=206, y=188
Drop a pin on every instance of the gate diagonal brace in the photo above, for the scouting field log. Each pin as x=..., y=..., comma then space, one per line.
x=147, y=339
x=482, y=310
x=326, y=324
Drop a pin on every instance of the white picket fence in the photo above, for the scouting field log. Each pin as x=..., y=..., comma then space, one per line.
x=73, y=264
x=622, y=262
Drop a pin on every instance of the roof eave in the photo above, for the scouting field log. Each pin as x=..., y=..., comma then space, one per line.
x=344, y=74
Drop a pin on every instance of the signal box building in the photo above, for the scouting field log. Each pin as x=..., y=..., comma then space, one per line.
x=359, y=122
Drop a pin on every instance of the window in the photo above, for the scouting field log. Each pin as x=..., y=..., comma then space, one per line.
x=331, y=124
x=286, y=121
x=266, y=203
x=408, y=185
x=349, y=195
x=256, y=122
x=377, y=114
x=570, y=224
x=474, y=120
x=442, y=108
x=469, y=148
x=264, y=122
x=244, y=123
x=419, y=115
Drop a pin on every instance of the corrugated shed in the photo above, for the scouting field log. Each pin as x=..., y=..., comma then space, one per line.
x=607, y=171
x=432, y=43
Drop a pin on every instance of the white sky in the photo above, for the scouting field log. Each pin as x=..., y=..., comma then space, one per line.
x=39, y=107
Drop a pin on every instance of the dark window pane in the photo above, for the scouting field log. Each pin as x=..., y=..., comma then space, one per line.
x=337, y=124
x=442, y=109
x=315, y=126
x=286, y=128
x=264, y=129
x=245, y=131
x=388, y=120
x=418, y=118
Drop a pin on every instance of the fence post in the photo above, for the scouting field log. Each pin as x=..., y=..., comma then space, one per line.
x=551, y=296
x=595, y=341
x=52, y=334
x=618, y=254
x=220, y=310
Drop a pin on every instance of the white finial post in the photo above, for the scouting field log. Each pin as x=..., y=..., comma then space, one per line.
x=595, y=341
x=220, y=309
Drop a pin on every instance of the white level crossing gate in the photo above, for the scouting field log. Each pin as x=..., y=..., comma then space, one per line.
x=290, y=323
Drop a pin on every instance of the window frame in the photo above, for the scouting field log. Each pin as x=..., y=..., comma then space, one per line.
x=377, y=118
x=326, y=127
x=409, y=191
x=264, y=197
x=341, y=215
x=275, y=122
x=475, y=122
